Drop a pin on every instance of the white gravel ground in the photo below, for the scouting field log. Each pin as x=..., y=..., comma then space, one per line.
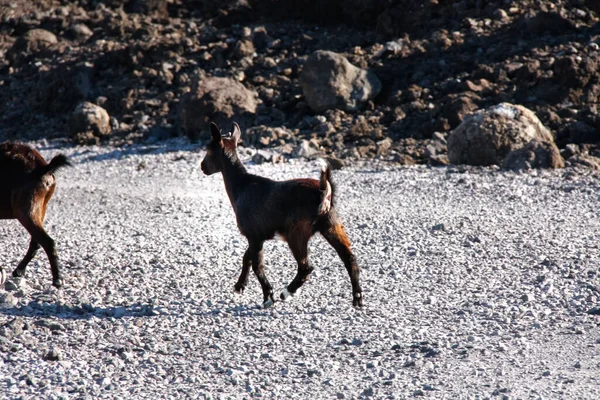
x=477, y=284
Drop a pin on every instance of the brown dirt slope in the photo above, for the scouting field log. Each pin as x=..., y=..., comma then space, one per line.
x=437, y=61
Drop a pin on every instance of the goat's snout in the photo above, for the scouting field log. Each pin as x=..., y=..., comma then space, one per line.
x=205, y=167
x=208, y=167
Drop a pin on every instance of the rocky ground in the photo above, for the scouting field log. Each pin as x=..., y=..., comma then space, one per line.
x=436, y=62
x=478, y=283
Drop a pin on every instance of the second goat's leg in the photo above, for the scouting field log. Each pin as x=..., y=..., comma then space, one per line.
x=31, y=252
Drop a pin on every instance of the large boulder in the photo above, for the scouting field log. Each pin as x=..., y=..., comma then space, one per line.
x=89, y=122
x=32, y=41
x=221, y=100
x=537, y=154
x=487, y=136
x=329, y=81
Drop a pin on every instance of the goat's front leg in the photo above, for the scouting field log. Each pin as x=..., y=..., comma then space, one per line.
x=31, y=252
x=257, y=266
x=243, y=279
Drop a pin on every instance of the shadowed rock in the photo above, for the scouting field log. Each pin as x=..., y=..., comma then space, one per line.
x=89, y=122
x=537, y=154
x=216, y=99
x=330, y=81
x=32, y=41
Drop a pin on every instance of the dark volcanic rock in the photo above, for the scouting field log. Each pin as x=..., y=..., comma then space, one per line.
x=221, y=100
x=89, y=122
x=330, y=81
x=33, y=41
x=435, y=62
x=487, y=136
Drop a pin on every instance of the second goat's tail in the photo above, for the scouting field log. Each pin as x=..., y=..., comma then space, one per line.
x=327, y=187
x=56, y=163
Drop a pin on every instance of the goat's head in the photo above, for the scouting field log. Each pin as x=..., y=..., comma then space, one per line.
x=220, y=146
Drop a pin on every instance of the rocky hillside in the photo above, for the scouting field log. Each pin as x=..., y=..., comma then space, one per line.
x=358, y=78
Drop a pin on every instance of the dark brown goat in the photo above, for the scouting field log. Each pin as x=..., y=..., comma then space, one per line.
x=294, y=209
x=26, y=185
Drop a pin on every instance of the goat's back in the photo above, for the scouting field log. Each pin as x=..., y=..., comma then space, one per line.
x=17, y=161
x=267, y=207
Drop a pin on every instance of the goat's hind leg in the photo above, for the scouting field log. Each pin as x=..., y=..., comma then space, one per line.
x=31, y=252
x=336, y=236
x=243, y=279
x=33, y=224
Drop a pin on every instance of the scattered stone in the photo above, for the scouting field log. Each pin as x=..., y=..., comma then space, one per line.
x=457, y=107
x=383, y=146
x=79, y=32
x=53, y=355
x=570, y=150
x=335, y=162
x=12, y=329
x=32, y=41
x=368, y=392
x=528, y=297
x=580, y=132
x=16, y=285
x=439, y=227
x=8, y=299
x=307, y=149
x=262, y=156
x=243, y=48
x=584, y=161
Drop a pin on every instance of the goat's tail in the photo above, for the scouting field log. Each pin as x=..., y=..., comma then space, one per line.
x=55, y=164
x=327, y=187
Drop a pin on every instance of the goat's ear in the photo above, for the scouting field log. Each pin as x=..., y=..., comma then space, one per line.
x=215, y=132
x=236, y=133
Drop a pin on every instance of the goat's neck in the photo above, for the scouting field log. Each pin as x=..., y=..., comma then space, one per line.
x=234, y=176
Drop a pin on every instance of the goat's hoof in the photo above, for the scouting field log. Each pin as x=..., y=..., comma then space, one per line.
x=285, y=294
x=57, y=283
x=357, y=300
x=18, y=273
x=238, y=289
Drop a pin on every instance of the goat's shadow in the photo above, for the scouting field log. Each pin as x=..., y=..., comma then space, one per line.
x=36, y=308
x=254, y=310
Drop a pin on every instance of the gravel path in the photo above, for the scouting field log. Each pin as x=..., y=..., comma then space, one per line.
x=477, y=284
